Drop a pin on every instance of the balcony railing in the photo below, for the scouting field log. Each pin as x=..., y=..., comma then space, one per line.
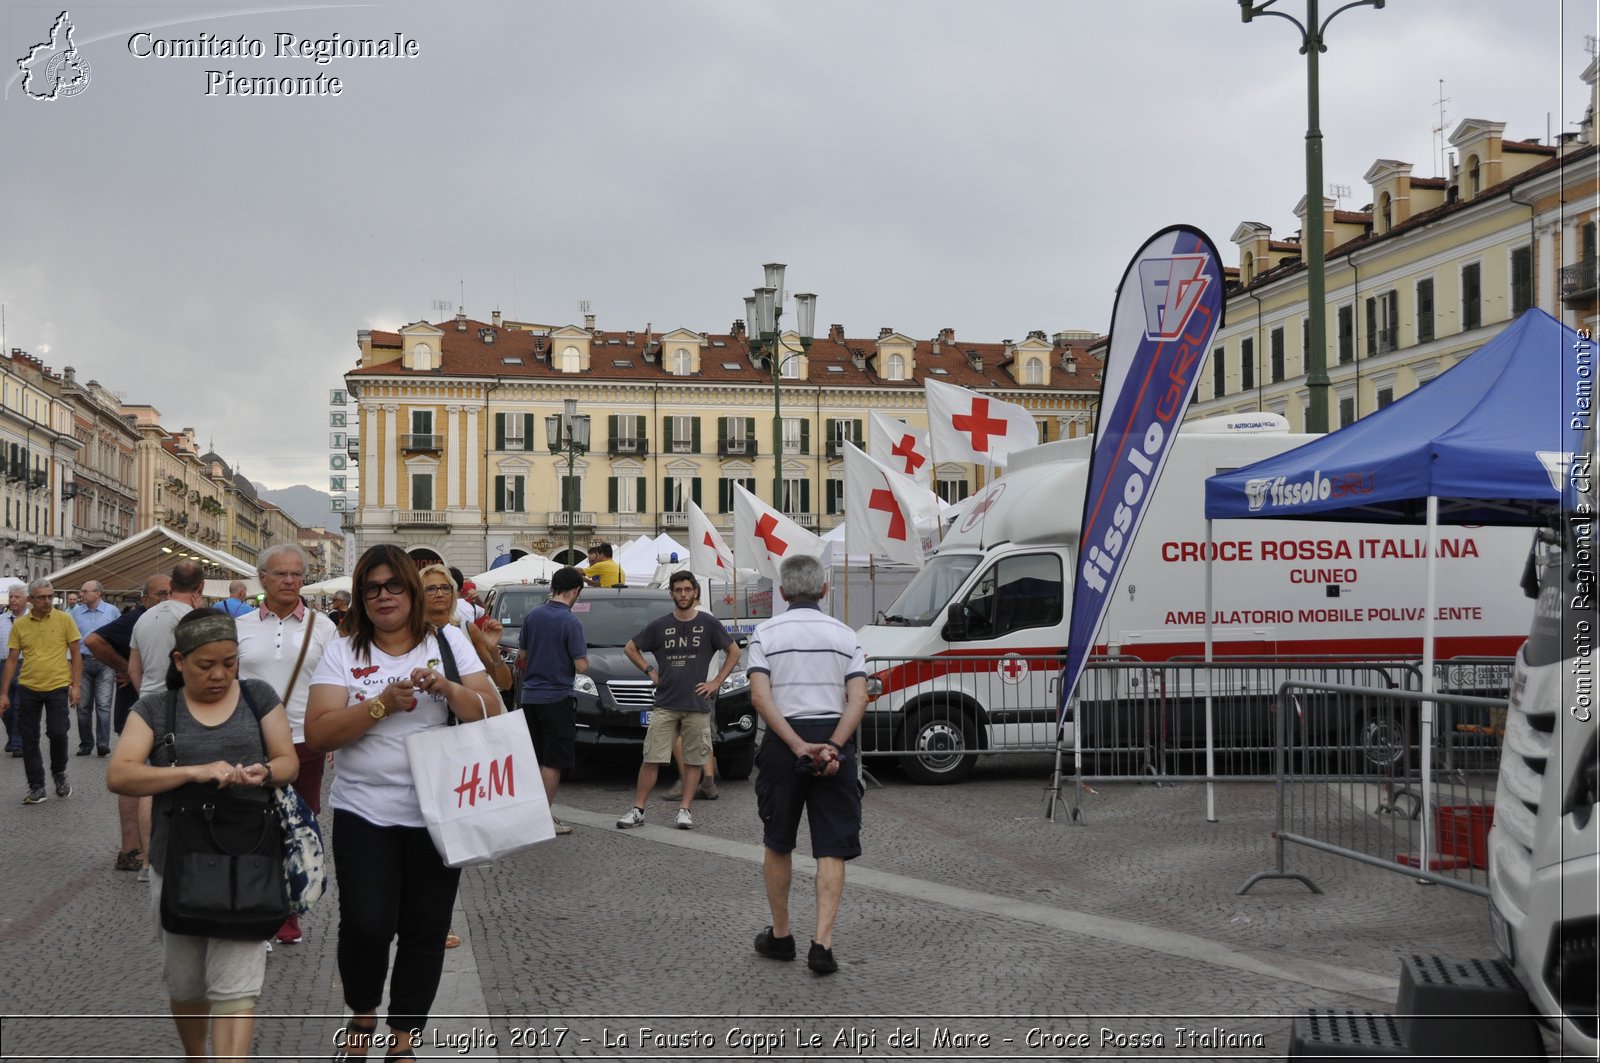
x=638, y=446
x=558, y=519
x=836, y=446
x=674, y=520
x=430, y=518
x=347, y=520
x=736, y=448
x=805, y=520
x=416, y=441
x=1580, y=280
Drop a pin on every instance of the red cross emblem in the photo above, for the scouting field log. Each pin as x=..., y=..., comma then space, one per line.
x=907, y=449
x=712, y=544
x=883, y=499
x=764, y=531
x=727, y=599
x=1013, y=669
x=979, y=424
x=979, y=508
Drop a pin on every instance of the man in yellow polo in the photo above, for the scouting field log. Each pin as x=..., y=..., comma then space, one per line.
x=603, y=571
x=46, y=642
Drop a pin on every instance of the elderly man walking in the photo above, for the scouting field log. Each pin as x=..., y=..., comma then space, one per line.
x=47, y=643
x=808, y=680
x=99, y=679
x=282, y=643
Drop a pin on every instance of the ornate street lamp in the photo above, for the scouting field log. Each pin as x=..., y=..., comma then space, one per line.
x=763, y=325
x=1311, y=46
x=567, y=433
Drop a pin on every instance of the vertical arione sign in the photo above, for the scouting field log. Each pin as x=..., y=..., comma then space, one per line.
x=338, y=445
x=1169, y=306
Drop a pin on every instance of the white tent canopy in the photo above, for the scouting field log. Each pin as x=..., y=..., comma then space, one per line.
x=124, y=568
x=328, y=586
x=531, y=568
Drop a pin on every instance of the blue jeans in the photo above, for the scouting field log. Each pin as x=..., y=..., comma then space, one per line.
x=52, y=705
x=95, y=696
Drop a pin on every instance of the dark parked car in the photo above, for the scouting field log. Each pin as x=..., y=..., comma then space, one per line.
x=613, y=696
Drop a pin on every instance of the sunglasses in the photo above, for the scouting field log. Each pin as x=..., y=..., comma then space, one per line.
x=395, y=588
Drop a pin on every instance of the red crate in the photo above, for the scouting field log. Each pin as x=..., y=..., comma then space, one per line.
x=1463, y=832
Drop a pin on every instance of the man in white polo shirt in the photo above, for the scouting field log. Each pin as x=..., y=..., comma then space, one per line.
x=808, y=680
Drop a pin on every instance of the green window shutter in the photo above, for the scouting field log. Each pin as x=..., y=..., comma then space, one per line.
x=750, y=432
x=522, y=495
x=694, y=435
x=805, y=436
x=694, y=488
x=722, y=434
x=666, y=494
x=805, y=496
x=830, y=429
x=724, y=489
x=611, y=492
x=833, y=497
x=611, y=436
x=500, y=492
x=499, y=431
x=1372, y=327
x=855, y=431
x=527, y=431
x=750, y=484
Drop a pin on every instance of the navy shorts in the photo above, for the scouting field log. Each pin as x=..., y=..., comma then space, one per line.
x=831, y=803
x=553, y=726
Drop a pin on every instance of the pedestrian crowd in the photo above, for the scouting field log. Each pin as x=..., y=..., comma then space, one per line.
x=221, y=707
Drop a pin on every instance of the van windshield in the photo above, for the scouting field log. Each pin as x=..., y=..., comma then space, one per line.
x=924, y=599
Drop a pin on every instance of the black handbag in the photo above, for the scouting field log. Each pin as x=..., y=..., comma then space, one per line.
x=223, y=873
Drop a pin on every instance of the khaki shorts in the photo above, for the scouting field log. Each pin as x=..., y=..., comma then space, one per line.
x=667, y=724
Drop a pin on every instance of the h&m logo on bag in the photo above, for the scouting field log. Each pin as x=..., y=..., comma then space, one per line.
x=502, y=782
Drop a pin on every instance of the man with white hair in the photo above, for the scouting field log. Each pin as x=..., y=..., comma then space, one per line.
x=99, y=679
x=808, y=680
x=281, y=643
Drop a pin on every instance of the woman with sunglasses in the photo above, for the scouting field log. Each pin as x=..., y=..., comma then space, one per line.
x=383, y=681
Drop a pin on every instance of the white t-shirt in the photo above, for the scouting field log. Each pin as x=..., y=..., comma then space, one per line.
x=269, y=648
x=372, y=775
x=466, y=612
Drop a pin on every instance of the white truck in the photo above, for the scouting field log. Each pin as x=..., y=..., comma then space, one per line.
x=997, y=592
x=1544, y=847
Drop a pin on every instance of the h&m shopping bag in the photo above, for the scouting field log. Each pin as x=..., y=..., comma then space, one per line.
x=482, y=797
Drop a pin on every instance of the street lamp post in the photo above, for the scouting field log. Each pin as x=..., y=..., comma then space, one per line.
x=763, y=317
x=567, y=433
x=1311, y=46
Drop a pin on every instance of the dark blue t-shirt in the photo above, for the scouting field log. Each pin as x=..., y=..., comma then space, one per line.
x=552, y=639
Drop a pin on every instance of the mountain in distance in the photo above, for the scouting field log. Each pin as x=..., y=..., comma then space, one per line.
x=309, y=507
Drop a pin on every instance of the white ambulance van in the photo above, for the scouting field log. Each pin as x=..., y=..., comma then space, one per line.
x=998, y=592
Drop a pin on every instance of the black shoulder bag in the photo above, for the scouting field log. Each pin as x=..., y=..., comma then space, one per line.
x=223, y=872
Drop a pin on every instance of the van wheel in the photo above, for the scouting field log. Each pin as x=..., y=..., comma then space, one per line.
x=940, y=737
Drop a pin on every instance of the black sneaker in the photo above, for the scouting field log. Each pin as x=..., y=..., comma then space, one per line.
x=773, y=947
x=63, y=787
x=821, y=960
x=85, y=750
x=35, y=797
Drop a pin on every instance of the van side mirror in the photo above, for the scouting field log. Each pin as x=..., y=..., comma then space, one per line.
x=955, y=623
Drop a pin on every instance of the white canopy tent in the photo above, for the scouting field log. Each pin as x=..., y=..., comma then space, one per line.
x=531, y=568
x=124, y=568
x=328, y=586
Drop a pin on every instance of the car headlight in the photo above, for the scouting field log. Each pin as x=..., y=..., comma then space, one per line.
x=737, y=681
x=508, y=654
x=584, y=685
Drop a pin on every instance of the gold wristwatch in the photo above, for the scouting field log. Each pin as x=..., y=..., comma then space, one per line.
x=378, y=710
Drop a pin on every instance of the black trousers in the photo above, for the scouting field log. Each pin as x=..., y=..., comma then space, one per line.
x=392, y=884
x=52, y=705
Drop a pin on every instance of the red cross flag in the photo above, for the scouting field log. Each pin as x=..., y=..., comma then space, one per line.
x=967, y=426
x=708, y=553
x=763, y=537
x=888, y=514
x=900, y=447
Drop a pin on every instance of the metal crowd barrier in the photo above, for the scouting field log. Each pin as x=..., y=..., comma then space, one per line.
x=1374, y=775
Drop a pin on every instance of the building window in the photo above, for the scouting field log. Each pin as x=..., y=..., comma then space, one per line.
x=725, y=492
x=952, y=488
x=1347, y=411
x=571, y=492
x=627, y=430
x=680, y=362
x=625, y=493
x=1385, y=397
x=1474, y=176
x=894, y=367
x=683, y=435
x=1425, y=310
x=1247, y=268
x=422, y=490
x=514, y=431
x=1219, y=374
x=571, y=361
x=1247, y=363
x=796, y=435
x=1347, y=328
x=509, y=494
x=422, y=422
x=1471, y=296
x=789, y=367
x=796, y=494
x=1276, y=354
x=1385, y=212
x=1033, y=371
x=1521, y=279
x=678, y=491
x=835, y=496
x=1383, y=323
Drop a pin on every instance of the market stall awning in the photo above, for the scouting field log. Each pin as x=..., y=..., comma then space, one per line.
x=125, y=567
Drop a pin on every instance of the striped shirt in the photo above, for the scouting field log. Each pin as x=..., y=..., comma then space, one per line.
x=808, y=656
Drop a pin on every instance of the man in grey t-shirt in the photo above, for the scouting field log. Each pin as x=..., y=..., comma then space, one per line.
x=151, y=647
x=684, y=642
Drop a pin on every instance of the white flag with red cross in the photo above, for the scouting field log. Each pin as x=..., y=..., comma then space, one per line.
x=897, y=445
x=967, y=426
x=889, y=514
x=763, y=537
x=708, y=552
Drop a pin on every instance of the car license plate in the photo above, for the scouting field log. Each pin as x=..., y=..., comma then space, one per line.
x=1501, y=930
x=644, y=717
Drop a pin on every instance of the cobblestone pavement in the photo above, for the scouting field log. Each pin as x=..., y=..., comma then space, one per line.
x=970, y=916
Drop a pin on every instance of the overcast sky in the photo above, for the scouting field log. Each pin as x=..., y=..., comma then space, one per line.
x=918, y=163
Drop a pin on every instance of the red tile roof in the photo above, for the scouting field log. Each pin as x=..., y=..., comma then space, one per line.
x=464, y=354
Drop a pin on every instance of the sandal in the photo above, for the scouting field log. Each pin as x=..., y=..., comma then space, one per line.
x=452, y=940
x=352, y=1030
x=132, y=860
